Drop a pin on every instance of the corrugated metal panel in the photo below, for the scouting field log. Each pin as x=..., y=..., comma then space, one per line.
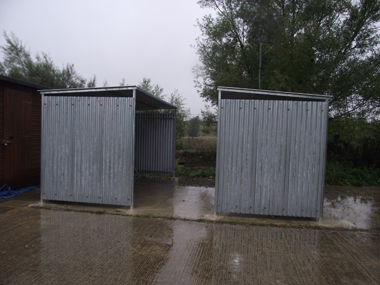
x=271, y=157
x=155, y=143
x=88, y=149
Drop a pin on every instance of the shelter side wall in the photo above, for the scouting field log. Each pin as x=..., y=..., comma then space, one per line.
x=2, y=90
x=155, y=143
x=271, y=157
x=88, y=149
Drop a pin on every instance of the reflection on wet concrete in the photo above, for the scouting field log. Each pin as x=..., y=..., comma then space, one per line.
x=193, y=202
x=354, y=207
x=344, y=207
x=57, y=247
x=154, y=196
x=164, y=197
x=156, y=238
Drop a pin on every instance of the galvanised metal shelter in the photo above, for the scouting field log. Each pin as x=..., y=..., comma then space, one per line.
x=95, y=139
x=271, y=154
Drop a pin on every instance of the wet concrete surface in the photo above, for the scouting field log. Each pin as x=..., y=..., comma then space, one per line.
x=22, y=200
x=39, y=246
x=193, y=199
x=62, y=244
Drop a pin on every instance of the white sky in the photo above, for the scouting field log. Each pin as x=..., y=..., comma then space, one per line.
x=114, y=39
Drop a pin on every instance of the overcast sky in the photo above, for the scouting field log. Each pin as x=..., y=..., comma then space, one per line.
x=114, y=39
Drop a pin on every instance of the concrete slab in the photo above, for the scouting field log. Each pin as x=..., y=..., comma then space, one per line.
x=40, y=246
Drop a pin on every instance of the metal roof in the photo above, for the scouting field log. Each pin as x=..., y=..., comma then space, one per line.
x=22, y=82
x=144, y=100
x=259, y=94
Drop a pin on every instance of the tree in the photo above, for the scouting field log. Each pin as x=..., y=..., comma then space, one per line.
x=194, y=126
x=182, y=113
x=92, y=82
x=69, y=78
x=122, y=83
x=324, y=47
x=354, y=142
x=18, y=63
x=156, y=90
x=209, y=121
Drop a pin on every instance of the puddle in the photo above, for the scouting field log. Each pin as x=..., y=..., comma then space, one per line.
x=193, y=202
x=344, y=207
x=170, y=198
x=354, y=207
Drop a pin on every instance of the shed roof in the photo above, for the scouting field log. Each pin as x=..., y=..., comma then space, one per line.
x=144, y=100
x=259, y=94
x=22, y=82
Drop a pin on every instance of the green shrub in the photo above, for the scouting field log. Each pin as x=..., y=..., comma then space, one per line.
x=354, y=141
x=339, y=174
x=198, y=158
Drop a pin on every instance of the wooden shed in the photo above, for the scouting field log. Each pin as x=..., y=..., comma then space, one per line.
x=20, y=129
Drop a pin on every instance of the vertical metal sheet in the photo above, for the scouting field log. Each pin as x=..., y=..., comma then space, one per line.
x=271, y=157
x=88, y=149
x=155, y=143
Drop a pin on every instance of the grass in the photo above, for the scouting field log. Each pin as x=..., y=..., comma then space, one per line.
x=197, y=143
x=196, y=173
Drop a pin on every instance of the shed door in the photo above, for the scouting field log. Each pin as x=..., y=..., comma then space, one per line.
x=17, y=131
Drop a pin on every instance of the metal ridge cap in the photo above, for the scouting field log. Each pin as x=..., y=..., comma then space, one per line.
x=23, y=82
x=109, y=89
x=274, y=93
x=87, y=89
